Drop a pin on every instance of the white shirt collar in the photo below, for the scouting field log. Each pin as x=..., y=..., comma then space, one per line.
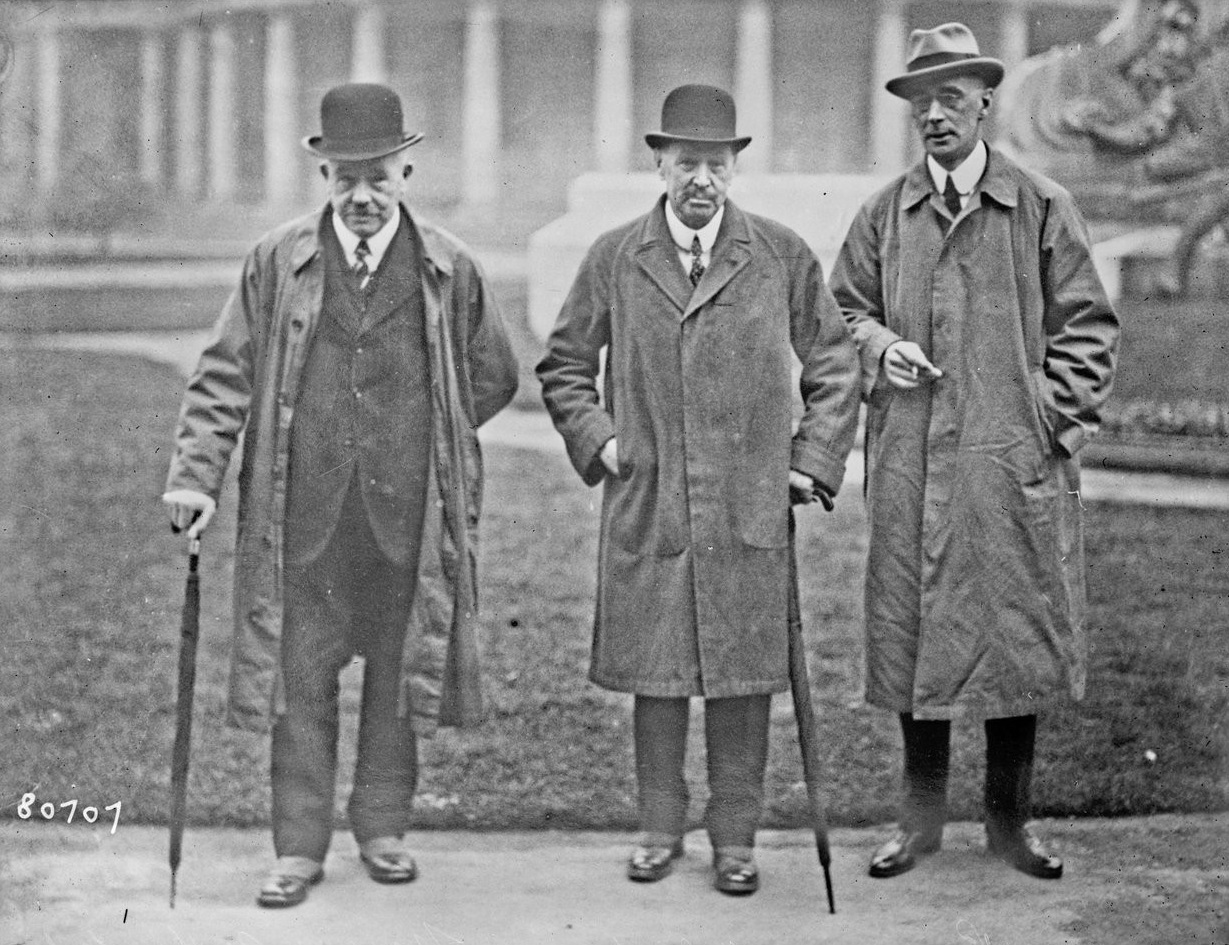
x=378, y=243
x=967, y=173
x=682, y=234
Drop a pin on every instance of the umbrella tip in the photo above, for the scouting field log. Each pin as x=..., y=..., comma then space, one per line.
x=172, y=889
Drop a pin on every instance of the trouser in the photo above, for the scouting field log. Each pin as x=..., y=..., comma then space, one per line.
x=349, y=601
x=1009, y=772
x=736, y=739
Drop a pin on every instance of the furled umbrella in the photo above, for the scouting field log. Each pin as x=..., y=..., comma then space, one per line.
x=189, y=629
x=804, y=714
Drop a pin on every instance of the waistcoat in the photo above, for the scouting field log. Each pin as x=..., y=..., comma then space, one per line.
x=363, y=415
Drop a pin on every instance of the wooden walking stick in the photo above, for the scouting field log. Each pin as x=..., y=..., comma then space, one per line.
x=804, y=714
x=189, y=630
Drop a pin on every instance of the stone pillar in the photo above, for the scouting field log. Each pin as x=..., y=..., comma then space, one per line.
x=50, y=120
x=481, y=120
x=888, y=113
x=753, y=83
x=281, y=128
x=153, y=86
x=221, y=111
x=1013, y=34
x=368, y=62
x=612, y=114
x=188, y=111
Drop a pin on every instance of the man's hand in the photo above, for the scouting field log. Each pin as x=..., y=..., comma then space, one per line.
x=803, y=490
x=189, y=509
x=610, y=456
x=906, y=365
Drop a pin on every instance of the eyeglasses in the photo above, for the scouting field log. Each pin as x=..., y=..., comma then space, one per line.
x=949, y=100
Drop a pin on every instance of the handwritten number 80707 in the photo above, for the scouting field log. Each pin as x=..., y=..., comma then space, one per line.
x=25, y=810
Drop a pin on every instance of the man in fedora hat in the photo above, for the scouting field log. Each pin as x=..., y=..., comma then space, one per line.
x=701, y=307
x=360, y=352
x=988, y=347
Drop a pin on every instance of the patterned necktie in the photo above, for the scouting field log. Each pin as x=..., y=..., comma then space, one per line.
x=951, y=197
x=697, y=267
x=362, y=273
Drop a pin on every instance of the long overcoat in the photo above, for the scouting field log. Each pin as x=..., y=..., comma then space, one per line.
x=247, y=382
x=693, y=575
x=975, y=593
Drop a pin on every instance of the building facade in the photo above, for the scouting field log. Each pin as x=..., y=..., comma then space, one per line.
x=114, y=104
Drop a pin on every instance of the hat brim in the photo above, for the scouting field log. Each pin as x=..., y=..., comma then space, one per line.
x=909, y=84
x=339, y=152
x=656, y=141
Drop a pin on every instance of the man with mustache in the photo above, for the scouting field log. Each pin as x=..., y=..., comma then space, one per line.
x=358, y=356
x=988, y=347
x=701, y=308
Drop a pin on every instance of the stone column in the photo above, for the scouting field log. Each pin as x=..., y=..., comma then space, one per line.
x=281, y=129
x=481, y=120
x=50, y=120
x=753, y=83
x=1013, y=34
x=188, y=111
x=221, y=111
x=368, y=62
x=153, y=86
x=888, y=113
x=612, y=115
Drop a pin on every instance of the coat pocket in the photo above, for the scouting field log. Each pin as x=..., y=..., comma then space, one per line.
x=1044, y=409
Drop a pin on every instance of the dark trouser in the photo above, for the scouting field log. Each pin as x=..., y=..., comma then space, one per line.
x=1009, y=772
x=736, y=738
x=350, y=600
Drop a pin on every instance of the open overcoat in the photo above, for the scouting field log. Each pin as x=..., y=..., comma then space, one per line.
x=693, y=566
x=247, y=382
x=975, y=581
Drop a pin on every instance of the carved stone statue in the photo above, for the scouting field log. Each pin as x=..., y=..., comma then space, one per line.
x=1137, y=125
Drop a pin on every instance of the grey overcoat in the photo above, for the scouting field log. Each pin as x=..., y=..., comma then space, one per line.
x=975, y=582
x=693, y=576
x=248, y=380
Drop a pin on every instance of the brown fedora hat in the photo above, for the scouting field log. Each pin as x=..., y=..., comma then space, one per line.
x=359, y=121
x=702, y=113
x=947, y=50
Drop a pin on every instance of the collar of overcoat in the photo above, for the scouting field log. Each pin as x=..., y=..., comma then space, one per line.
x=998, y=183
x=658, y=257
x=436, y=249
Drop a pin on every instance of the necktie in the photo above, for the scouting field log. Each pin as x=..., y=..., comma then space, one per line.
x=697, y=267
x=951, y=197
x=362, y=273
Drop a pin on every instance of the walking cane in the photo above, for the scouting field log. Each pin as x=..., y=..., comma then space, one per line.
x=189, y=627
x=804, y=713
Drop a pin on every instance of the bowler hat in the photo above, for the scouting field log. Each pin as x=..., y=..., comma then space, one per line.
x=945, y=51
x=360, y=121
x=702, y=113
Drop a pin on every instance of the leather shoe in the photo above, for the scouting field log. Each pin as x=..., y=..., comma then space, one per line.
x=901, y=853
x=650, y=862
x=287, y=883
x=736, y=876
x=386, y=861
x=1024, y=851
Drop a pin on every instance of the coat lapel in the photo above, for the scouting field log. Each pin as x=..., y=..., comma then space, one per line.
x=394, y=280
x=657, y=256
x=731, y=254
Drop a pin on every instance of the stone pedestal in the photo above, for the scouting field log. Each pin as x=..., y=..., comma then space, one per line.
x=819, y=207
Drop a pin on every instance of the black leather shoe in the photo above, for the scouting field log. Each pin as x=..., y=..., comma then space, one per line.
x=1024, y=851
x=736, y=877
x=391, y=867
x=648, y=864
x=901, y=853
x=288, y=882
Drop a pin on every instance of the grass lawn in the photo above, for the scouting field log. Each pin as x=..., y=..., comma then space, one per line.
x=91, y=583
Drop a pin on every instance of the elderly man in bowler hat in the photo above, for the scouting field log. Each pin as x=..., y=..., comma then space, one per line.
x=988, y=347
x=360, y=352
x=701, y=307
